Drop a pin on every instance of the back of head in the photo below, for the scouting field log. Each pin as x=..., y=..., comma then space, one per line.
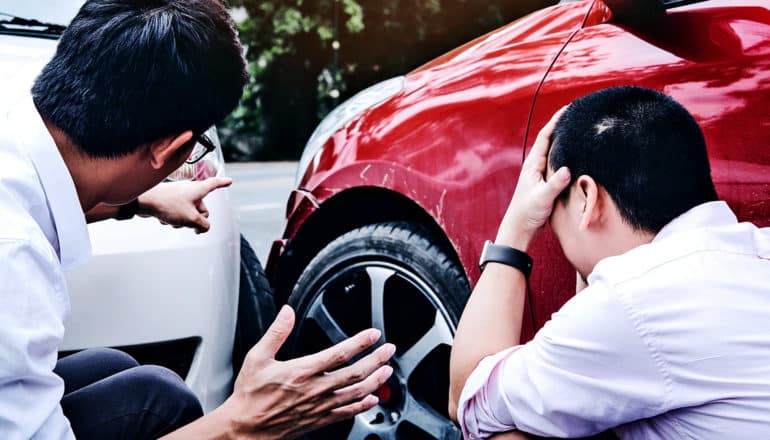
x=643, y=147
x=130, y=72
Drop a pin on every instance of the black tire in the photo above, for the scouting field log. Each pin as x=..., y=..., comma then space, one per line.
x=256, y=308
x=423, y=293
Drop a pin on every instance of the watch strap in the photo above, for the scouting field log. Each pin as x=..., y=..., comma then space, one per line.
x=507, y=255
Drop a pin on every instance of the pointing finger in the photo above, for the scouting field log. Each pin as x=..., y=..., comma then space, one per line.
x=215, y=183
x=205, y=187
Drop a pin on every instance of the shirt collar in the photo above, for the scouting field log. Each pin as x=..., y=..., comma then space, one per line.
x=705, y=215
x=711, y=214
x=74, y=244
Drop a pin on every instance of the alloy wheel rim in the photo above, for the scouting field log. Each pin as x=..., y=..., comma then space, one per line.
x=408, y=407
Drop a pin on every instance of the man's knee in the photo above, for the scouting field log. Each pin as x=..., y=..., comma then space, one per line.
x=89, y=366
x=167, y=393
x=116, y=359
x=144, y=402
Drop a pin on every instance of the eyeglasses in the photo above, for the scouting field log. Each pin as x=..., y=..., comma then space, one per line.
x=203, y=146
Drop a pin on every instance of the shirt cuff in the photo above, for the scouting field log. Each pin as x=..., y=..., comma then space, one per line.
x=474, y=411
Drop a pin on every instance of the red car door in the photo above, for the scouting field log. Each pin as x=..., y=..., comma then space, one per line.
x=711, y=56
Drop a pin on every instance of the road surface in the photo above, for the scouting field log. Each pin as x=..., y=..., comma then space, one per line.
x=260, y=191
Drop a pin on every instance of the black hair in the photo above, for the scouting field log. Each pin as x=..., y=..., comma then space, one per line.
x=643, y=147
x=130, y=72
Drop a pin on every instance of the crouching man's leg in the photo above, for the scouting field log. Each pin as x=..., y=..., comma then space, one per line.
x=139, y=402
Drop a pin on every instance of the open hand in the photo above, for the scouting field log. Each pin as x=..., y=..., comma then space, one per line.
x=180, y=204
x=534, y=197
x=283, y=400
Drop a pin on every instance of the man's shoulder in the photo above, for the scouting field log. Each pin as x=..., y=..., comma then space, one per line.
x=19, y=232
x=22, y=199
x=676, y=256
x=32, y=246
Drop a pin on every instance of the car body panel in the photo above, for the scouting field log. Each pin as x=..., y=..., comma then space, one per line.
x=50, y=11
x=714, y=58
x=453, y=140
x=454, y=115
x=148, y=283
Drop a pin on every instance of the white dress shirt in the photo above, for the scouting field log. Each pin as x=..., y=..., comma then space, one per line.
x=42, y=232
x=669, y=341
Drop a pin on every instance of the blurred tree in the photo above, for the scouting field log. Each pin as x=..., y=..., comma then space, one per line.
x=305, y=56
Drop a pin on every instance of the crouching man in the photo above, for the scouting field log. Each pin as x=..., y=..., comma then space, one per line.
x=671, y=337
x=125, y=101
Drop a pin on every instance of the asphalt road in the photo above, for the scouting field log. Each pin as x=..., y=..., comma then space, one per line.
x=260, y=191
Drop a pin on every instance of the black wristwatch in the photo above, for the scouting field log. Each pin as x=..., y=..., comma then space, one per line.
x=128, y=210
x=494, y=253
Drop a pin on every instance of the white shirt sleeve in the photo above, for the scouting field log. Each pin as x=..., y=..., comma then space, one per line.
x=587, y=370
x=33, y=304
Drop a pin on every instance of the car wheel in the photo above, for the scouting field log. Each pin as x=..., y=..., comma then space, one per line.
x=394, y=277
x=256, y=308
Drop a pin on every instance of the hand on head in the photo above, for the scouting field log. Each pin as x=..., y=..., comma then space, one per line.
x=534, y=197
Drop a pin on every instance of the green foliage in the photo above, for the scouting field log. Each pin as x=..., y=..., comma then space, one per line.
x=274, y=34
x=297, y=76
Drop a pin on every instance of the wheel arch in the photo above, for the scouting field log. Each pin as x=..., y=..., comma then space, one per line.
x=345, y=211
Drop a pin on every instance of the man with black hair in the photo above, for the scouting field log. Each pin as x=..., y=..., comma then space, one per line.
x=667, y=336
x=125, y=102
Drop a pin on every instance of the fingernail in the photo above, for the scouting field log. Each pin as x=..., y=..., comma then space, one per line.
x=284, y=314
x=374, y=335
x=565, y=174
x=387, y=371
x=389, y=350
x=372, y=400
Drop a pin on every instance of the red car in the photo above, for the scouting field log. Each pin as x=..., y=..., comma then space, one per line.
x=400, y=186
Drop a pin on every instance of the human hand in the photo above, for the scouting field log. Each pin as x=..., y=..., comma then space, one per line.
x=534, y=197
x=283, y=400
x=180, y=204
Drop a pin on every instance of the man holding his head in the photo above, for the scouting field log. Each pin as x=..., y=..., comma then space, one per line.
x=669, y=334
x=130, y=91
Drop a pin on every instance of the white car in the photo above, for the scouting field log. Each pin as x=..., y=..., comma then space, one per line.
x=168, y=297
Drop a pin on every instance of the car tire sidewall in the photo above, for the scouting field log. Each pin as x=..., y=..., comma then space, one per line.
x=404, y=244
x=256, y=307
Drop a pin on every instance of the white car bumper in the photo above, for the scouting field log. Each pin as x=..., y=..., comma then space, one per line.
x=148, y=283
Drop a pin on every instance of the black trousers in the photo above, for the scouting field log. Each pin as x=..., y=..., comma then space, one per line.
x=107, y=395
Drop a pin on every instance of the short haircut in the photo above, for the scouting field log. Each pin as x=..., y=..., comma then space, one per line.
x=128, y=73
x=643, y=147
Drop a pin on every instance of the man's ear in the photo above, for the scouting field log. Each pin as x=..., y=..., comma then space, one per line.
x=169, y=149
x=590, y=201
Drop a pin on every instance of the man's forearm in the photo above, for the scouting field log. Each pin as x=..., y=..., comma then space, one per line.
x=490, y=323
x=215, y=425
x=492, y=319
